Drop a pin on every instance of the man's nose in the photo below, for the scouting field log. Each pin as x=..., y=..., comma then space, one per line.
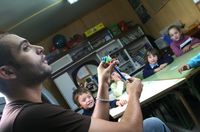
x=39, y=49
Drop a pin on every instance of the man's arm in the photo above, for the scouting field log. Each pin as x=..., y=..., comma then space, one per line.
x=133, y=112
x=132, y=118
x=101, y=109
x=102, y=106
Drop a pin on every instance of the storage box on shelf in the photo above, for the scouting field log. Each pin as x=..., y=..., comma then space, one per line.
x=100, y=38
x=134, y=33
x=110, y=48
x=80, y=51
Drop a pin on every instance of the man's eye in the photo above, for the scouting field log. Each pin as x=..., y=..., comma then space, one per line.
x=26, y=47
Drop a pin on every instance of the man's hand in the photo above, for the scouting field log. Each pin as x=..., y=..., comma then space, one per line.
x=183, y=68
x=104, y=72
x=134, y=88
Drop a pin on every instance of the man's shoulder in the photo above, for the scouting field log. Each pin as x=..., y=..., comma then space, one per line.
x=40, y=109
x=45, y=116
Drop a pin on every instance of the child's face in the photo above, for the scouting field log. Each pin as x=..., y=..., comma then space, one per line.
x=175, y=34
x=152, y=59
x=86, y=101
x=115, y=76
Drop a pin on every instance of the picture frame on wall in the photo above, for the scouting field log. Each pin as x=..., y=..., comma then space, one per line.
x=140, y=10
x=134, y=3
x=142, y=14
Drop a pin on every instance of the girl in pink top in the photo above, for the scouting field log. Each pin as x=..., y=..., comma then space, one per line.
x=181, y=43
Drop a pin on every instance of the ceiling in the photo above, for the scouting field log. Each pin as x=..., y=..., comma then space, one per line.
x=37, y=19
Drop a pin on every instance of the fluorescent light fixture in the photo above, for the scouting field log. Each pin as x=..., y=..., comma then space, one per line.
x=72, y=1
x=196, y=1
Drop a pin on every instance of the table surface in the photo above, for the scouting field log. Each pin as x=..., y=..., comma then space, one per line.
x=162, y=82
x=151, y=90
x=171, y=70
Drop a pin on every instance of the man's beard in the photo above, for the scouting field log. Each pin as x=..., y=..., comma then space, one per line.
x=33, y=77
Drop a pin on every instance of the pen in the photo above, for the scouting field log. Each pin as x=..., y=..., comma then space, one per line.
x=122, y=76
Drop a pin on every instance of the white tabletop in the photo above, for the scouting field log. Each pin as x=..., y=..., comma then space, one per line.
x=151, y=90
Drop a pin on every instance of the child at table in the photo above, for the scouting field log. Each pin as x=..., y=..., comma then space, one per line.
x=84, y=99
x=192, y=63
x=155, y=62
x=117, y=85
x=181, y=43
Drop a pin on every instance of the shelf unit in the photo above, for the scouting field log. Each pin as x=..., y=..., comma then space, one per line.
x=129, y=49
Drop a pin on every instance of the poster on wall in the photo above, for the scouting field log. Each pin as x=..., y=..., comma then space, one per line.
x=140, y=10
x=142, y=13
x=134, y=3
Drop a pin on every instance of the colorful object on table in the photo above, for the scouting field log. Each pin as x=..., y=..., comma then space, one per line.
x=108, y=59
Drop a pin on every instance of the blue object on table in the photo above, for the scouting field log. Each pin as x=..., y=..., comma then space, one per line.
x=122, y=76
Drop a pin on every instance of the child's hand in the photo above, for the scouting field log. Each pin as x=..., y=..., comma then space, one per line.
x=157, y=69
x=163, y=66
x=183, y=68
x=195, y=45
x=186, y=48
x=121, y=102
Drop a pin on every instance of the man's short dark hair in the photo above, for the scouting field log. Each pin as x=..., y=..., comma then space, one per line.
x=6, y=55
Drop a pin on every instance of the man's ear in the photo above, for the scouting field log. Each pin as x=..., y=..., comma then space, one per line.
x=7, y=72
